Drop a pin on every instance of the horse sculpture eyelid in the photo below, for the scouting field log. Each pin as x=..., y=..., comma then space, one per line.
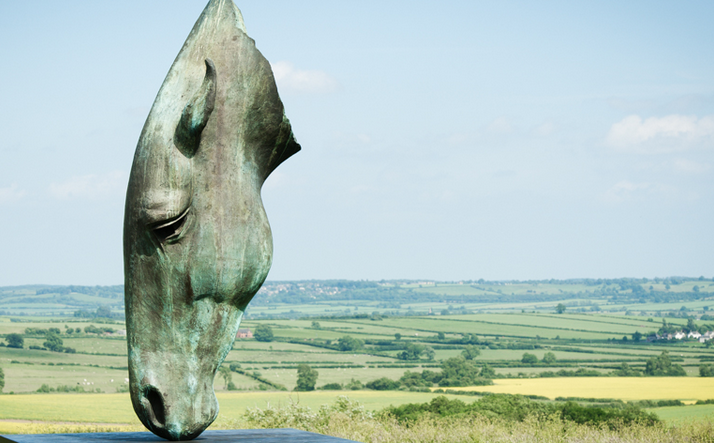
x=180, y=223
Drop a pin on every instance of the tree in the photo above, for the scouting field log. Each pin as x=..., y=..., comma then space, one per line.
x=529, y=359
x=662, y=365
x=411, y=352
x=354, y=385
x=440, y=336
x=348, y=343
x=306, y=379
x=414, y=379
x=691, y=326
x=397, y=336
x=626, y=371
x=316, y=325
x=457, y=371
x=53, y=343
x=383, y=384
x=103, y=312
x=263, y=333
x=637, y=336
x=225, y=373
x=487, y=372
x=549, y=358
x=706, y=371
x=2, y=379
x=14, y=341
x=560, y=308
x=470, y=352
x=430, y=353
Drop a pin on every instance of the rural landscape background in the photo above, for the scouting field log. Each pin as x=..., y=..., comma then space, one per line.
x=543, y=141
x=600, y=344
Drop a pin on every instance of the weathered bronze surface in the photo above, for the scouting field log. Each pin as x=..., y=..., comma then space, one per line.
x=197, y=244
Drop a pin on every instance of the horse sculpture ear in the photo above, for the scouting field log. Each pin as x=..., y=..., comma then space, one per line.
x=196, y=113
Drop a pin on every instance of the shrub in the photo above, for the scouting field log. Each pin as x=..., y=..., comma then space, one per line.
x=456, y=371
x=263, y=333
x=347, y=343
x=470, y=352
x=306, y=379
x=354, y=385
x=383, y=384
x=612, y=417
x=529, y=359
x=549, y=358
x=14, y=341
x=411, y=352
x=53, y=343
x=663, y=366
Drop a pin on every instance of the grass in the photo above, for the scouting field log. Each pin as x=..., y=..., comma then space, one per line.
x=625, y=388
x=27, y=378
x=117, y=408
x=88, y=408
x=679, y=414
x=578, y=332
x=288, y=377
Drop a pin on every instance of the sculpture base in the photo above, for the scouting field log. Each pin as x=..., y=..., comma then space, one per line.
x=240, y=436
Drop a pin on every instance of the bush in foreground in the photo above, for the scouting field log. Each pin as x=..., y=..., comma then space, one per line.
x=347, y=419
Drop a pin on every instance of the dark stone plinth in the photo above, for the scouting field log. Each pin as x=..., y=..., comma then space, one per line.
x=239, y=436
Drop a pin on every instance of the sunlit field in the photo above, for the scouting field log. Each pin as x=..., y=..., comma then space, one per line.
x=623, y=388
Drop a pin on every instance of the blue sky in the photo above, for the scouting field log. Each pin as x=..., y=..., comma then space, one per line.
x=441, y=140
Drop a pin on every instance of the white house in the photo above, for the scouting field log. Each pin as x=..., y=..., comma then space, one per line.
x=706, y=336
x=694, y=334
x=679, y=335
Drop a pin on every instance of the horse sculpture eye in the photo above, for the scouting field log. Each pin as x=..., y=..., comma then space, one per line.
x=171, y=230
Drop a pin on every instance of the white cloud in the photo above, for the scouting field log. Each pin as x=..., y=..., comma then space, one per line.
x=626, y=190
x=661, y=134
x=11, y=193
x=690, y=167
x=91, y=186
x=545, y=129
x=500, y=125
x=291, y=79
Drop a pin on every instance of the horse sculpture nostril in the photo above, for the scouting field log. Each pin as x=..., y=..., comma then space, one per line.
x=155, y=407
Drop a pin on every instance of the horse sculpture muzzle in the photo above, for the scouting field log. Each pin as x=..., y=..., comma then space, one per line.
x=197, y=243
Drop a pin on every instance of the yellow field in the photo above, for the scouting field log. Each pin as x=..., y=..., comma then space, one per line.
x=624, y=388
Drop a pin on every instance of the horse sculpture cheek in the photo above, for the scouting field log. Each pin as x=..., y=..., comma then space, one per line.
x=197, y=244
x=187, y=299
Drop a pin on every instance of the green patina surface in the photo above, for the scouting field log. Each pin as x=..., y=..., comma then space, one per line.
x=197, y=243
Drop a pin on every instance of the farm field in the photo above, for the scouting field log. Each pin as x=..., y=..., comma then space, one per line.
x=100, y=360
x=364, y=337
x=679, y=414
x=686, y=389
x=116, y=408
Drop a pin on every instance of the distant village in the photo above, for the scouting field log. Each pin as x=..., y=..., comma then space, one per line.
x=681, y=335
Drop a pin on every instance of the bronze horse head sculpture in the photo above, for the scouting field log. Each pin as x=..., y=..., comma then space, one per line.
x=197, y=243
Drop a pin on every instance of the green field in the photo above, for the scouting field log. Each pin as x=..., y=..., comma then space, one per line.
x=503, y=320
